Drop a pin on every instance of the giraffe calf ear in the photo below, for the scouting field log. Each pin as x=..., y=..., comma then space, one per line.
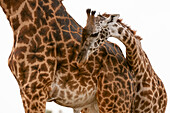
x=113, y=18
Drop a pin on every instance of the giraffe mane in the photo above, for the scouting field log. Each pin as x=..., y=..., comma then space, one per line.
x=138, y=37
x=132, y=31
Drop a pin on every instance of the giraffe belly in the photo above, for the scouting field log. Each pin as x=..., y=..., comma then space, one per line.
x=74, y=95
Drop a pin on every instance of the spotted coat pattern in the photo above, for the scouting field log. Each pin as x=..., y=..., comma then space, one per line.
x=43, y=61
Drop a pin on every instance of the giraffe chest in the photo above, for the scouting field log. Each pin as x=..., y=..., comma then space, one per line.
x=67, y=90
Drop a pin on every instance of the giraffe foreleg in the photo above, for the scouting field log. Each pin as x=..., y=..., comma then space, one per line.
x=34, y=102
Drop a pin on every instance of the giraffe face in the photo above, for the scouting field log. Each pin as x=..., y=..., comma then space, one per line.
x=87, y=48
x=89, y=36
x=92, y=38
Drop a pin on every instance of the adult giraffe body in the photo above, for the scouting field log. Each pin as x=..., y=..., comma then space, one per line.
x=43, y=61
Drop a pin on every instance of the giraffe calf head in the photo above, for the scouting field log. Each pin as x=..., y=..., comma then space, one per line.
x=86, y=41
x=94, y=34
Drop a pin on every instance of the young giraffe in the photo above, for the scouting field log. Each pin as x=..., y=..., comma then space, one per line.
x=43, y=61
x=150, y=95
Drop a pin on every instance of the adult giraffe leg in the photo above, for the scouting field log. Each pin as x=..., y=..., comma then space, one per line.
x=34, y=103
x=34, y=84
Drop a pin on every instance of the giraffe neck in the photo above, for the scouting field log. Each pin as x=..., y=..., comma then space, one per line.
x=25, y=11
x=11, y=7
x=36, y=15
x=135, y=55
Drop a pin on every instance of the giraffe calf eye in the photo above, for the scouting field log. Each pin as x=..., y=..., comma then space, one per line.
x=94, y=35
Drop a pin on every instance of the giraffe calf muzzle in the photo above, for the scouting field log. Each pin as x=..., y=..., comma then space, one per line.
x=82, y=58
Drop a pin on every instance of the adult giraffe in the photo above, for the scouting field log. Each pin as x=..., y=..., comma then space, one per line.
x=43, y=61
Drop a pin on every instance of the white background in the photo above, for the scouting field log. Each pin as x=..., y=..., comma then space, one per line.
x=151, y=19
